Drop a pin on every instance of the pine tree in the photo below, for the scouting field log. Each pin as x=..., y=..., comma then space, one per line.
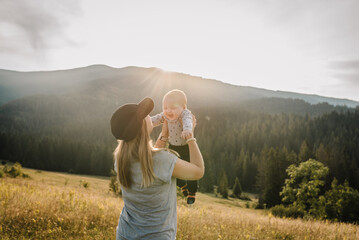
x=208, y=181
x=223, y=184
x=304, y=153
x=271, y=175
x=237, y=189
x=322, y=155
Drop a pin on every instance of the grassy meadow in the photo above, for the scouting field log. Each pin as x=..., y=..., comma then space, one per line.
x=52, y=205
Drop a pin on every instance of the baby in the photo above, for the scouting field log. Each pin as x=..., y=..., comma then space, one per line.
x=180, y=128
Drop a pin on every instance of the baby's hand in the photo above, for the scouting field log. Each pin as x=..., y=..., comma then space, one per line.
x=186, y=134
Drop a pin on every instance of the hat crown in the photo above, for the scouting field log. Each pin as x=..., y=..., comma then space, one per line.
x=126, y=121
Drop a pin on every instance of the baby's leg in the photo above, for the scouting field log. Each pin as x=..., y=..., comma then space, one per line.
x=192, y=186
x=183, y=152
x=181, y=183
x=192, y=189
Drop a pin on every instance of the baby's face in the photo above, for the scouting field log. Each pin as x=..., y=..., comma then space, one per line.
x=172, y=110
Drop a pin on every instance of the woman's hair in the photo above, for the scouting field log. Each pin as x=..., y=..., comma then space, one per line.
x=138, y=149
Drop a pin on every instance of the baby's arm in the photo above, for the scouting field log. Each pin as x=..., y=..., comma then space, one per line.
x=157, y=119
x=187, y=123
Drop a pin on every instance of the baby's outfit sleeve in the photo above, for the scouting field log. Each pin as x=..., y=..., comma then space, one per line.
x=157, y=119
x=187, y=120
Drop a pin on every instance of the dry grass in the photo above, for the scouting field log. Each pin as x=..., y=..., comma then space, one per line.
x=57, y=206
x=212, y=220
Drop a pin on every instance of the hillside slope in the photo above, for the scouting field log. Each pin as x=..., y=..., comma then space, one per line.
x=52, y=205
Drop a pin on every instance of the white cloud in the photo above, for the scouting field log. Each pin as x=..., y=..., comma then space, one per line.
x=34, y=25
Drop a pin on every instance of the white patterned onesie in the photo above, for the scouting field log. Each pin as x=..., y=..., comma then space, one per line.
x=175, y=127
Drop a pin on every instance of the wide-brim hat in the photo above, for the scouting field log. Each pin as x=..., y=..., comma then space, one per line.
x=126, y=121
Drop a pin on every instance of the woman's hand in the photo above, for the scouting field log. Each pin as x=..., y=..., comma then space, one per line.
x=164, y=131
x=163, y=137
x=187, y=134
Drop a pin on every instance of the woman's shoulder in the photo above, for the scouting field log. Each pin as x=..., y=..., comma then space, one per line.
x=163, y=164
x=164, y=153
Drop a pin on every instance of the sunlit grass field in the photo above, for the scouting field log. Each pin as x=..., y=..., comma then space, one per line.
x=52, y=205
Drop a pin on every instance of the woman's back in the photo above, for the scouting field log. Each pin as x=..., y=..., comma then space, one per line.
x=150, y=213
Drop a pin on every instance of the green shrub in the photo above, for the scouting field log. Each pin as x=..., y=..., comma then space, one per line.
x=179, y=193
x=255, y=206
x=114, y=185
x=14, y=171
x=303, y=186
x=290, y=211
x=259, y=206
x=215, y=191
x=24, y=175
x=342, y=203
x=85, y=184
x=2, y=174
x=245, y=197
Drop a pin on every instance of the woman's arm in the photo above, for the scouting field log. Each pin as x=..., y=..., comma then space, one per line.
x=194, y=169
x=163, y=137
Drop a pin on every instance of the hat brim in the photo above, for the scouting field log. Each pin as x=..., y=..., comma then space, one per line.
x=145, y=107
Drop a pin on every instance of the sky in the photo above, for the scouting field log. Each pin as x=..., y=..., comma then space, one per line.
x=305, y=46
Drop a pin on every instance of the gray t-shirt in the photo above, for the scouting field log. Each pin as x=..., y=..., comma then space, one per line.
x=150, y=213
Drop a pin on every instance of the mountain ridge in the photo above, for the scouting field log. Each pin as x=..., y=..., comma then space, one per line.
x=17, y=84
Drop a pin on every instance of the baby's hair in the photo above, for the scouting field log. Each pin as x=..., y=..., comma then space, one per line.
x=177, y=95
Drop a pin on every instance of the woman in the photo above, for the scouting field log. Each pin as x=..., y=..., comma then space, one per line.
x=148, y=176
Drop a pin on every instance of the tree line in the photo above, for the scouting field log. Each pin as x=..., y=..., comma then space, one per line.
x=255, y=147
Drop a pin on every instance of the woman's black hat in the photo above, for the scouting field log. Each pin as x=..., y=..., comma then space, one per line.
x=126, y=121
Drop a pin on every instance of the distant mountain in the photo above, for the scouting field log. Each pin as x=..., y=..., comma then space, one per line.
x=50, y=101
x=15, y=84
x=59, y=120
x=133, y=83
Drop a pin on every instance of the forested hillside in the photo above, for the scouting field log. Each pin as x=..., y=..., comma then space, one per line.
x=256, y=147
x=239, y=132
